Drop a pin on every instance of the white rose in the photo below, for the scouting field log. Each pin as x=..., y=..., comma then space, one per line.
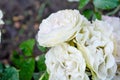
x=1, y=15
x=115, y=22
x=1, y=22
x=95, y=42
x=65, y=62
x=60, y=27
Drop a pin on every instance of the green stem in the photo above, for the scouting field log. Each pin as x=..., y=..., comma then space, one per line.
x=114, y=11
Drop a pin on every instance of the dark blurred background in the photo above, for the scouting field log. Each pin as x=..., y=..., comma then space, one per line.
x=22, y=19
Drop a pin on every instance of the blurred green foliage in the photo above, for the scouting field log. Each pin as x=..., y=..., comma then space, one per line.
x=83, y=3
x=98, y=7
x=45, y=76
x=8, y=73
x=106, y=4
x=41, y=63
x=42, y=49
x=25, y=63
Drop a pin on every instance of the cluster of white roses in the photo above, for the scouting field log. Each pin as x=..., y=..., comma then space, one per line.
x=80, y=50
x=1, y=22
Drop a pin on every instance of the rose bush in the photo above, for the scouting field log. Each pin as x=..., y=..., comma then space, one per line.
x=65, y=62
x=60, y=27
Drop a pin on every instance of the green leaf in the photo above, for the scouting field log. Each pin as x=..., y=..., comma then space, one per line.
x=106, y=4
x=41, y=48
x=41, y=63
x=97, y=15
x=36, y=76
x=83, y=3
x=27, y=69
x=27, y=47
x=88, y=13
x=26, y=66
x=10, y=74
x=1, y=68
x=45, y=76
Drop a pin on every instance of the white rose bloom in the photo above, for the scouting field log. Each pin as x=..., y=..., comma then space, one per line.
x=95, y=42
x=115, y=22
x=60, y=27
x=1, y=22
x=1, y=15
x=65, y=62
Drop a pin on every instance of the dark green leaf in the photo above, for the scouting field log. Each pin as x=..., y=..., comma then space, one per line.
x=88, y=13
x=41, y=48
x=97, y=15
x=10, y=74
x=83, y=3
x=45, y=76
x=27, y=69
x=27, y=47
x=17, y=59
x=1, y=68
x=106, y=4
x=26, y=66
x=41, y=63
x=36, y=76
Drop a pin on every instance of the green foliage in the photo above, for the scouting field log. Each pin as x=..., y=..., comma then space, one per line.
x=41, y=66
x=83, y=3
x=9, y=73
x=26, y=63
x=1, y=68
x=26, y=66
x=27, y=69
x=91, y=14
x=36, y=76
x=27, y=47
x=42, y=49
x=45, y=76
x=95, y=11
x=88, y=13
x=96, y=15
x=106, y=4
x=41, y=63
